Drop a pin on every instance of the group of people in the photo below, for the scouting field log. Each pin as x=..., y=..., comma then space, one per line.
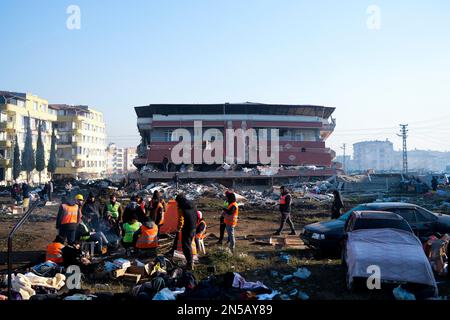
x=21, y=193
x=139, y=224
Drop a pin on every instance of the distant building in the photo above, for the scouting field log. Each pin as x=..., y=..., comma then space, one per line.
x=16, y=111
x=120, y=160
x=376, y=155
x=81, y=142
x=303, y=129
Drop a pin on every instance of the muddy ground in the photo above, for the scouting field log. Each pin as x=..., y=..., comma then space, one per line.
x=255, y=261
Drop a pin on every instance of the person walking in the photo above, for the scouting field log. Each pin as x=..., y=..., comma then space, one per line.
x=337, y=206
x=200, y=231
x=231, y=218
x=69, y=217
x=222, y=225
x=50, y=190
x=285, y=212
x=187, y=223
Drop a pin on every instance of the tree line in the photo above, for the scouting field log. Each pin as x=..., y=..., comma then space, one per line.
x=30, y=160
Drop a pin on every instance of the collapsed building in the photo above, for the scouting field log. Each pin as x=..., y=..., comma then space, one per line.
x=303, y=130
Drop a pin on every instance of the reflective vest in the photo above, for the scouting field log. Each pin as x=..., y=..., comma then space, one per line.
x=231, y=220
x=130, y=229
x=86, y=229
x=113, y=209
x=148, y=237
x=202, y=234
x=180, y=246
x=283, y=199
x=225, y=204
x=54, y=252
x=70, y=214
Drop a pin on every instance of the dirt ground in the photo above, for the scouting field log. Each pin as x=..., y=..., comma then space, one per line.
x=255, y=261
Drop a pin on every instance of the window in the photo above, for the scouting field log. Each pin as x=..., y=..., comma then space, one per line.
x=35, y=106
x=424, y=215
x=20, y=103
x=406, y=213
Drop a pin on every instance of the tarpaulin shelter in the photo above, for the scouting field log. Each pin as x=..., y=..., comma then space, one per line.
x=170, y=218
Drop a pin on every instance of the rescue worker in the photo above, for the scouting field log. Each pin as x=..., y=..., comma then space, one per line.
x=157, y=212
x=54, y=250
x=222, y=225
x=129, y=230
x=231, y=218
x=147, y=236
x=86, y=232
x=285, y=211
x=113, y=209
x=133, y=209
x=187, y=222
x=69, y=217
x=200, y=231
x=113, y=213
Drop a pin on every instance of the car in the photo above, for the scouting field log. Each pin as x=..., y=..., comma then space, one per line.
x=328, y=235
x=384, y=241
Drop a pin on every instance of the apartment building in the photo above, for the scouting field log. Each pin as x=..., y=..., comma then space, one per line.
x=120, y=160
x=81, y=142
x=16, y=111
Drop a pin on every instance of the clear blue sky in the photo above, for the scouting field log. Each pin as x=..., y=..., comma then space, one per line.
x=130, y=53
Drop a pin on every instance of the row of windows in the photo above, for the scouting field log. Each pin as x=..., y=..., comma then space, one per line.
x=88, y=115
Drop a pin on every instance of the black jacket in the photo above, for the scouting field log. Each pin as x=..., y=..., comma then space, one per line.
x=189, y=216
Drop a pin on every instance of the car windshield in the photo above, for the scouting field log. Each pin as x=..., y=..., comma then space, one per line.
x=381, y=223
x=346, y=215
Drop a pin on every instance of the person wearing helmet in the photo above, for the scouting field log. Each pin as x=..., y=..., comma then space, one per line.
x=69, y=217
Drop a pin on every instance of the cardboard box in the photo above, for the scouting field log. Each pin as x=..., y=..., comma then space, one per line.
x=137, y=270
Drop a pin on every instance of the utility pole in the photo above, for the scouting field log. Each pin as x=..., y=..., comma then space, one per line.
x=404, y=135
x=344, y=146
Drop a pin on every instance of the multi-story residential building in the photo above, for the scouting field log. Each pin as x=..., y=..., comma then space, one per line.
x=81, y=142
x=303, y=129
x=131, y=154
x=376, y=155
x=17, y=110
x=120, y=160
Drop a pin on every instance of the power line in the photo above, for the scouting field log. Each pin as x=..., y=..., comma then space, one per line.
x=403, y=134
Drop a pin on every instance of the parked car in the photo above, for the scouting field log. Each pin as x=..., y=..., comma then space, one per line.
x=328, y=235
x=385, y=240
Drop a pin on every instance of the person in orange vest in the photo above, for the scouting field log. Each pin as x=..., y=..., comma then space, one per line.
x=54, y=250
x=285, y=210
x=147, y=236
x=231, y=218
x=69, y=217
x=187, y=222
x=200, y=231
x=157, y=211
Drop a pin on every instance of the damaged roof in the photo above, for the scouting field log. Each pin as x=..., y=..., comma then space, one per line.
x=234, y=108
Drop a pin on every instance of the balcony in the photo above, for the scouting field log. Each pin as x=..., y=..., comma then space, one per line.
x=5, y=144
x=5, y=163
x=7, y=126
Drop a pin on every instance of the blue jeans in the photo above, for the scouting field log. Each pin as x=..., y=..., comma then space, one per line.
x=231, y=239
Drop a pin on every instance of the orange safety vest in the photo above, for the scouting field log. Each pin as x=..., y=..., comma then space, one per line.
x=202, y=234
x=148, y=238
x=54, y=252
x=231, y=220
x=70, y=214
x=160, y=205
x=180, y=246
